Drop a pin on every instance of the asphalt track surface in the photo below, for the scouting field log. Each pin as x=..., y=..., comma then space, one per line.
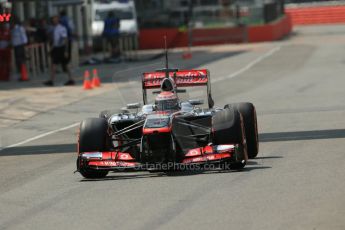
x=297, y=181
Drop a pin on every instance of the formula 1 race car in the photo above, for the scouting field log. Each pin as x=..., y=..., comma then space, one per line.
x=168, y=133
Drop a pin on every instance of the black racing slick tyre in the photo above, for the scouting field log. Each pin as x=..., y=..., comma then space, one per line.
x=89, y=173
x=226, y=126
x=93, y=137
x=250, y=123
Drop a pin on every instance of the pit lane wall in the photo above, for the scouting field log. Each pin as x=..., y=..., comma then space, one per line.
x=270, y=32
x=311, y=15
x=152, y=38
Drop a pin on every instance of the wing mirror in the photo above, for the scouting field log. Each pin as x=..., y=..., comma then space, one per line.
x=124, y=110
x=133, y=106
x=147, y=109
x=196, y=102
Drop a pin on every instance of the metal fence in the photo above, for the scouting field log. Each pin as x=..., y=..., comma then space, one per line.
x=129, y=45
x=39, y=61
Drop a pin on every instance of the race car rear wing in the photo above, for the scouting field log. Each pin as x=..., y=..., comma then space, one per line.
x=182, y=78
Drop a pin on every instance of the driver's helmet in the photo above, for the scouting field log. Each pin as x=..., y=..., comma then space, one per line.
x=166, y=101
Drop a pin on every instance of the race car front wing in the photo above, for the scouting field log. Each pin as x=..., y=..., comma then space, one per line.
x=119, y=161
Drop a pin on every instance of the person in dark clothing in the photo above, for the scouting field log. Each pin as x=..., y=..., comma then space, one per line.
x=59, y=52
x=111, y=33
x=67, y=23
x=41, y=35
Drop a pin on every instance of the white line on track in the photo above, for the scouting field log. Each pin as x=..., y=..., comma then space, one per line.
x=75, y=124
x=41, y=136
x=249, y=65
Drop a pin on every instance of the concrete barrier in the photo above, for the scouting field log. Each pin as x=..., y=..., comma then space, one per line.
x=153, y=38
x=270, y=32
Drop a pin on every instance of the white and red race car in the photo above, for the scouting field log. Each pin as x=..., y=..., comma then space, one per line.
x=169, y=133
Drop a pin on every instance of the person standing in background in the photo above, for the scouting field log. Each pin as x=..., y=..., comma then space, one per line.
x=30, y=29
x=18, y=39
x=68, y=24
x=41, y=36
x=59, y=53
x=111, y=34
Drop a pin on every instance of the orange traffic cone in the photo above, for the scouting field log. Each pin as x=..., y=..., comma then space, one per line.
x=87, y=83
x=96, y=82
x=24, y=73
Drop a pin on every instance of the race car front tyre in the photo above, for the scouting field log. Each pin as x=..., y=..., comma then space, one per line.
x=226, y=125
x=228, y=128
x=236, y=163
x=89, y=173
x=93, y=136
x=250, y=123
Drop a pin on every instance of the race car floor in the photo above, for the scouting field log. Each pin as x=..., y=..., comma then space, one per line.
x=297, y=181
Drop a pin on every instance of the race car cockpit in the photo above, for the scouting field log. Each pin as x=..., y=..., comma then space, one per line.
x=166, y=101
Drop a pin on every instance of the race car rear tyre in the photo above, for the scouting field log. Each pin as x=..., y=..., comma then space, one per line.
x=89, y=173
x=250, y=123
x=93, y=136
